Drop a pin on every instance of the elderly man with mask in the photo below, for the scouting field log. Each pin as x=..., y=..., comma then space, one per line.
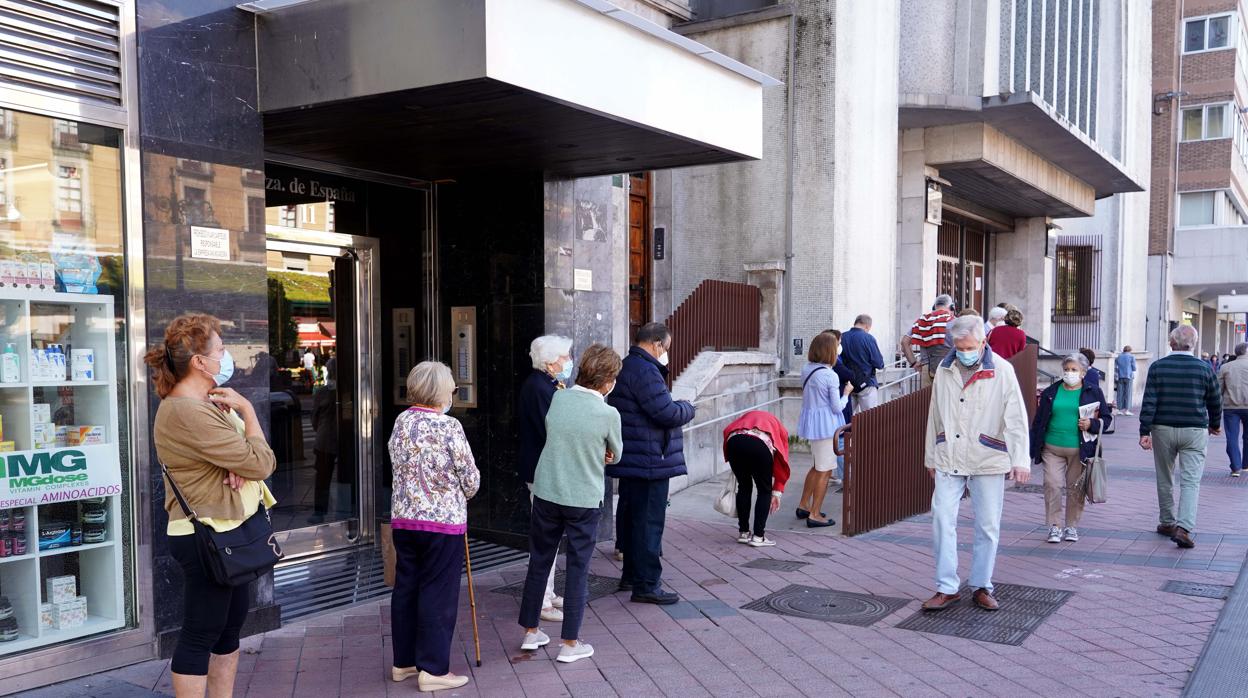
x=977, y=437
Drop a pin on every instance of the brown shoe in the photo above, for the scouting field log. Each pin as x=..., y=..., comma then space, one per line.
x=985, y=600
x=940, y=601
x=1164, y=530
x=1182, y=538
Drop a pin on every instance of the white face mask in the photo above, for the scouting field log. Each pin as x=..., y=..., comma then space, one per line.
x=1072, y=378
x=663, y=359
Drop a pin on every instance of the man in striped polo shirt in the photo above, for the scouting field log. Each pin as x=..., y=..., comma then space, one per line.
x=930, y=335
x=1182, y=407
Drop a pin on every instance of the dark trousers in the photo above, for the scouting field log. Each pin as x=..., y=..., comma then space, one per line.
x=212, y=614
x=751, y=462
x=549, y=523
x=324, y=474
x=646, y=509
x=425, y=601
x=1236, y=421
x=621, y=519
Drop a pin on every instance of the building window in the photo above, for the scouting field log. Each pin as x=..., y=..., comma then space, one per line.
x=288, y=216
x=308, y=213
x=1206, y=122
x=1196, y=208
x=255, y=213
x=1074, y=281
x=329, y=217
x=69, y=190
x=1206, y=33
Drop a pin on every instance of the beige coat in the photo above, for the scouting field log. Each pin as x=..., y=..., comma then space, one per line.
x=1234, y=379
x=980, y=428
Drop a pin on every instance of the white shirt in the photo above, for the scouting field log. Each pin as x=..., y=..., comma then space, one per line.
x=583, y=389
x=309, y=360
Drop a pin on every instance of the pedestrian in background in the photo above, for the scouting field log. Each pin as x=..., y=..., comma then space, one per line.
x=1234, y=379
x=552, y=369
x=1182, y=406
x=582, y=436
x=1058, y=442
x=996, y=318
x=823, y=403
x=434, y=477
x=653, y=455
x=846, y=377
x=1008, y=338
x=860, y=353
x=976, y=437
x=928, y=334
x=1124, y=370
x=1095, y=375
x=756, y=446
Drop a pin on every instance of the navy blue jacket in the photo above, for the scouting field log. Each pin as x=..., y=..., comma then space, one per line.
x=651, y=420
x=1044, y=412
x=861, y=355
x=846, y=377
x=535, y=396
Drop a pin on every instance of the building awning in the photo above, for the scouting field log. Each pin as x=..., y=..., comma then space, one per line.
x=569, y=87
x=1210, y=261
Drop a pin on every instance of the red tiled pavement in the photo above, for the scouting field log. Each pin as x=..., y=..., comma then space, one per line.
x=1118, y=635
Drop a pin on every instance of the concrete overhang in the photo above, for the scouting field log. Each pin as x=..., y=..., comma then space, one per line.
x=569, y=87
x=1031, y=121
x=988, y=168
x=1210, y=261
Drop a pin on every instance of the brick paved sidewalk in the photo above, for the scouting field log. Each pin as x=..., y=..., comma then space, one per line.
x=1117, y=635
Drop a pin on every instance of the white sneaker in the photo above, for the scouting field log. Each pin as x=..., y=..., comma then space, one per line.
x=535, y=640
x=1071, y=534
x=557, y=602
x=756, y=542
x=1055, y=534
x=743, y=537
x=571, y=653
x=550, y=614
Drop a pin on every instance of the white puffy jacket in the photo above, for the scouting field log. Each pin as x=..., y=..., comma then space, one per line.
x=979, y=428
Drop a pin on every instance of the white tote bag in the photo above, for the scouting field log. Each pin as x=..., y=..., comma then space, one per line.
x=726, y=502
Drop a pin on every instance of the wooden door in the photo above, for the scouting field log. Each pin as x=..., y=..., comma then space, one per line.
x=638, y=251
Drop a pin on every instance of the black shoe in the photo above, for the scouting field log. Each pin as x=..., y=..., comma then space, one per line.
x=803, y=514
x=658, y=596
x=624, y=586
x=811, y=523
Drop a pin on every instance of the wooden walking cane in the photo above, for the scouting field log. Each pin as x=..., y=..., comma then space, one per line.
x=472, y=599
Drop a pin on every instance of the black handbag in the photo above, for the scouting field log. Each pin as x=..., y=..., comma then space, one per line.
x=238, y=556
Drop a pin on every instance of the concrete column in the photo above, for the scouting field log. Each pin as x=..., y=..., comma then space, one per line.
x=916, y=238
x=1022, y=274
x=769, y=278
x=1208, y=329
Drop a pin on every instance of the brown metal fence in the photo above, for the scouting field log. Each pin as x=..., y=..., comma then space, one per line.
x=884, y=450
x=717, y=315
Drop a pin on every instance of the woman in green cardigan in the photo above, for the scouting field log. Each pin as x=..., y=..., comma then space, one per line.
x=582, y=436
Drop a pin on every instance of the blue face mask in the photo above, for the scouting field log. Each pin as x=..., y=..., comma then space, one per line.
x=226, y=369
x=566, y=373
x=969, y=358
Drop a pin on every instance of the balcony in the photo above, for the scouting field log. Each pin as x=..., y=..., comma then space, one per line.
x=1211, y=260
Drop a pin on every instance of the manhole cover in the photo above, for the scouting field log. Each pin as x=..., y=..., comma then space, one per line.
x=1208, y=591
x=773, y=565
x=814, y=603
x=1026, y=489
x=814, y=554
x=599, y=586
x=1023, y=609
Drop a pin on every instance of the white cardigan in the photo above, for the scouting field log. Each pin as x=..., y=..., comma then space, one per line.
x=979, y=428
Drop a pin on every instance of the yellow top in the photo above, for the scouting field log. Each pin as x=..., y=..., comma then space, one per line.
x=253, y=493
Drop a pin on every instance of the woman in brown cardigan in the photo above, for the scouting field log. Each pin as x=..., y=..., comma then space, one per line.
x=210, y=440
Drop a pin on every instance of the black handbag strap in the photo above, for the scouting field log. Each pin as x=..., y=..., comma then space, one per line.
x=812, y=375
x=177, y=493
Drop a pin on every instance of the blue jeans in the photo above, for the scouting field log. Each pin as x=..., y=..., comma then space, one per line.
x=1236, y=421
x=645, y=504
x=987, y=498
x=1123, y=398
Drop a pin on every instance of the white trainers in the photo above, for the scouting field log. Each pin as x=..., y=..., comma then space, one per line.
x=756, y=542
x=743, y=537
x=1071, y=534
x=571, y=653
x=535, y=640
x=1055, y=534
x=550, y=614
x=557, y=602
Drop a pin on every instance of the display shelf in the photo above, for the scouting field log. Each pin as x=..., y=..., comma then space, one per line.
x=94, y=624
x=75, y=548
x=66, y=384
x=21, y=384
x=19, y=558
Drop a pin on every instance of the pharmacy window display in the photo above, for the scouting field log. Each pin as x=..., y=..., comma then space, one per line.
x=65, y=505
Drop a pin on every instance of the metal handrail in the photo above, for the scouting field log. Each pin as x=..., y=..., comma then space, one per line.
x=708, y=398
x=906, y=377
x=738, y=413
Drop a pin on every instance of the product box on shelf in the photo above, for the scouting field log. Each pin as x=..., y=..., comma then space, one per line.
x=84, y=435
x=47, y=275
x=62, y=435
x=46, y=617
x=6, y=446
x=61, y=589
x=83, y=364
x=40, y=413
x=43, y=435
x=69, y=614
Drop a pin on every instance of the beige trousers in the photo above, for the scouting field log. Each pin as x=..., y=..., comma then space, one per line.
x=1062, y=469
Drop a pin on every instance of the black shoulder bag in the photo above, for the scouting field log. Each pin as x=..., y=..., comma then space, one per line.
x=238, y=556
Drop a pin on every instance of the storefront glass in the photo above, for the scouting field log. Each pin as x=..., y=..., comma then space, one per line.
x=65, y=501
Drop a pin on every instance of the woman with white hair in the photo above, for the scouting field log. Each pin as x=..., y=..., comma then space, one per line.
x=996, y=317
x=1058, y=441
x=434, y=477
x=552, y=370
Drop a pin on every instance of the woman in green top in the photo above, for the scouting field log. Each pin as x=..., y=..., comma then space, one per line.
x=1062, y=440
x=582, y=436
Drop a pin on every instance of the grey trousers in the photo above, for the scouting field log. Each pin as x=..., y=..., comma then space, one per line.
x=1181, y=449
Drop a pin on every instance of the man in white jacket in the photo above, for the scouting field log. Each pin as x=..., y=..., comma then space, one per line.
x=976, y=437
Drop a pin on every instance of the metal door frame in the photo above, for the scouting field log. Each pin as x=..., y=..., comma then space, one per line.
x=322, y=538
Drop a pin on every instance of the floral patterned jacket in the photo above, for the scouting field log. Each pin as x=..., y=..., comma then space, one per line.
x=434, y=473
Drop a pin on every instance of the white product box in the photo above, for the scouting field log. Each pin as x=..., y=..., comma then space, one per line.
x=47, y=275
x=8, y=272
x=62, y=435
x=82, y=362
x=70, y=614
x=61, y=589
x=41, y=413
x=43, y=435
x=46, y=616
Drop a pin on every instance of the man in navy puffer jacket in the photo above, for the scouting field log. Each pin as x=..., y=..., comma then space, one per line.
x=653, y=455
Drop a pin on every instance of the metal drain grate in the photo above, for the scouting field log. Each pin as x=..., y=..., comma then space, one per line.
x=1023, y=609
x=834, y=606
x=1208, y=591
x=1026, y=489
x=773, y=565
x=599, y=586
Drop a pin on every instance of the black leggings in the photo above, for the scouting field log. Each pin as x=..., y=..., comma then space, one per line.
x=751, y=462
x=212, y=614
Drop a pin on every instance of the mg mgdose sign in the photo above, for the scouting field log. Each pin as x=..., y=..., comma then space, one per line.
x=58, y=475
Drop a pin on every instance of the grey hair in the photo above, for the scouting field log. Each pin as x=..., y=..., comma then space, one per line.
x=997, y=313
x=1079, y=360
x=1184, y=338
x=863, y=319
x=429, y=383
x=967, y=326
x=547, y=349
x=1241, y=349
x=944, y=300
